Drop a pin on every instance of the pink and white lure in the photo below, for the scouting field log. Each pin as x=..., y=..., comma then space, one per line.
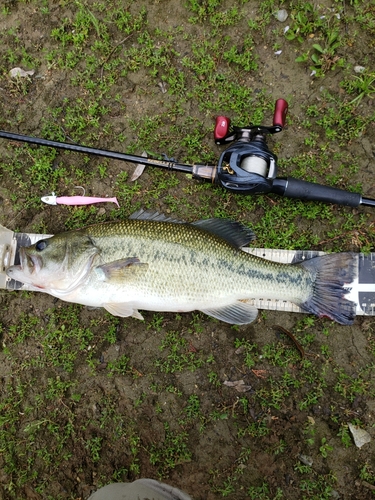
x=52, y=199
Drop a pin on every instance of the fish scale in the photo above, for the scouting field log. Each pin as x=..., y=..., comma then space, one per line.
x=190, y=246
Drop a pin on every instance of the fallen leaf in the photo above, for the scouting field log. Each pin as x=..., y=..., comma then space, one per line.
x=139, y=169
x=239, y=385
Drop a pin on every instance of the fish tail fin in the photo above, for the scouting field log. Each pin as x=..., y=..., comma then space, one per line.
x=331, y=275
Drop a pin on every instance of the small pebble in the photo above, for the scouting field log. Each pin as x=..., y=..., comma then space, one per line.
x=305, y=459
x=359, y=69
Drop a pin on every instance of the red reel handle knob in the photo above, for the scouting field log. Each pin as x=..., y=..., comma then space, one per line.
x=222, y=125
x=279, y=116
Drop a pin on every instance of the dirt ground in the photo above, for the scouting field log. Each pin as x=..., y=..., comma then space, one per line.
x=88, y=399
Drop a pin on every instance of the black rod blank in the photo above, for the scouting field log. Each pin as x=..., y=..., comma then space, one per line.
x=169, y=164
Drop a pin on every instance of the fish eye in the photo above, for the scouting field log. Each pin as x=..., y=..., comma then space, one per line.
x=40, y=245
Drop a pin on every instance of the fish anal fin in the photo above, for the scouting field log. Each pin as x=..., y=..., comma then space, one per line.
x=238, y=313
x=123, y=310
x=122, y=269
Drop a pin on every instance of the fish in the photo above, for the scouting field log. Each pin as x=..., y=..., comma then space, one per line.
x=156, y=263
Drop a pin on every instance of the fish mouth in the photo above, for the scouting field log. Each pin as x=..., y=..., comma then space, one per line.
x=32, y=263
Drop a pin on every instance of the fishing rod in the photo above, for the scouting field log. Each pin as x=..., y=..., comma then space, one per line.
x=247, y=166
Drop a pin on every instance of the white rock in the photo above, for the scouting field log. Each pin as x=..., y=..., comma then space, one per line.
x=19, y=72
x=360, y=436
x=281, y=15
x=359, y=69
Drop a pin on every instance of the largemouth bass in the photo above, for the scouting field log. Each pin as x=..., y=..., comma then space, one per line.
x=163, y=265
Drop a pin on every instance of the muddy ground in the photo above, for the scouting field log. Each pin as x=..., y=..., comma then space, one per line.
x=88, y=399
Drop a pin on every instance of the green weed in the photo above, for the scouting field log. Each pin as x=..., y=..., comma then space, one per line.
x=363, y=85
x=178, y=355
x=171, y=452
x=367, y=474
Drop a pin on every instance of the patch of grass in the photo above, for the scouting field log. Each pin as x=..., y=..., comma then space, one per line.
x=350, y=386
x=367, y=474
x=319, y=486
x=171, y=452
x=61, y=338
x=210, y=11
x=262, y=492
x=247, y=348
x=58, y=426
x=120, y=366
x=227, y=485
x=179, y=355
x=363, y=85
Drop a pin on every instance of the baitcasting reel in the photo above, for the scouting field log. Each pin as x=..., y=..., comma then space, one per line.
x=248, y=166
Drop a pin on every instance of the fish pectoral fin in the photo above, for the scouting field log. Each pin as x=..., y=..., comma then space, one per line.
x=239, y=313
x=123, y=310
x=122, y=269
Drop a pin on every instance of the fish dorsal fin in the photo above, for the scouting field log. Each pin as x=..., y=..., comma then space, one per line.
x=123, y=310
x=153, y=215
x=239, y=313
x=233, y=232
x=121, y=270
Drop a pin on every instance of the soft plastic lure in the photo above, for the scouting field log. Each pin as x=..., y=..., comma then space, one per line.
x=52, y=199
